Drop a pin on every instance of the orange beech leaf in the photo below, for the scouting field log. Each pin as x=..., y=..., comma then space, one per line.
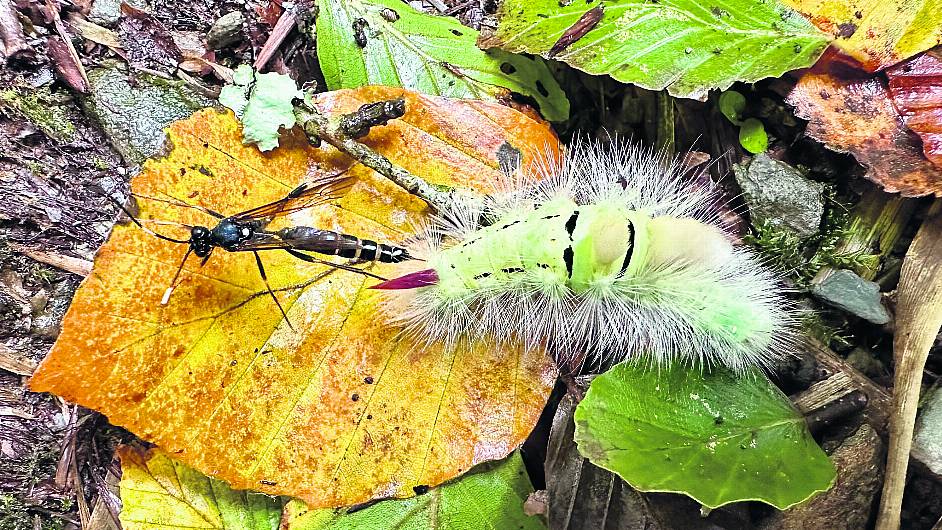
x=877, y=33
x=851, y=111
x=916, y=89
x=343, y=410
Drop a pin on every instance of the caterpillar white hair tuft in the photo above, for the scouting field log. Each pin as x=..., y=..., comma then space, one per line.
x=604, y=254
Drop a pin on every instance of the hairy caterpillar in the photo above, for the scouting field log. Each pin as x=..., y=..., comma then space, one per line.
x=605, y=254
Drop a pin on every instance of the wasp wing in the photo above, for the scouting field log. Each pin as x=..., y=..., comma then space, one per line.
x=307, y=195
x=300, y=238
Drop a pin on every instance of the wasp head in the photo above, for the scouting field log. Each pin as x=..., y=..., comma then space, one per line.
x=200, y=241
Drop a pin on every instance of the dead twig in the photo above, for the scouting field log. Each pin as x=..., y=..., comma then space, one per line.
x=11, y=32
x=840, y=380
x=318, y=127
x=16, y=413
x=78, y=266
x=288, y=19
x=63, y=54
x=12, y=362
x=918, y=320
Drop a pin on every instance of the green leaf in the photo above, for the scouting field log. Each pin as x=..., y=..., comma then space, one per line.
x=712, y=436
x=490, y=496
x=263, y=103
x=752, y=136
x=429, y=54
x=158, y=493
x=686, y=46
x=732, y=104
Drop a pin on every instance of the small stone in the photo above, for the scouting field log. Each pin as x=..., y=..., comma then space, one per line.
x=927, y=442
x=134, y=116
x=845, y=290
x=105, y=12
x=778, y=194
x=108, y=12
x=47, y=321
x=225, y=31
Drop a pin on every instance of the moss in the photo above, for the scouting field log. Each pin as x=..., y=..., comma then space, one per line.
x=43, y=108
x=802, y=258
x=814, y=325
x=14, y=514
x=42, y=273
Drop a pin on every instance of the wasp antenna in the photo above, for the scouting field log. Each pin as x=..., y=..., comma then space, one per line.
x=174, y=201
x=183, y=204
x=167, y=223
x=136, y=221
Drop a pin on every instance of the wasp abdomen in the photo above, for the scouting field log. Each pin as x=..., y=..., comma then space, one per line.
x=343, y=245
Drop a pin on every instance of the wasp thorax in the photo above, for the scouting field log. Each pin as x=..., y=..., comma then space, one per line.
x=228, y=234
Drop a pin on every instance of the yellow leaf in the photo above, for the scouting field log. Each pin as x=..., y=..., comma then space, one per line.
x=878, y=33
x=343, y=410
x=158, y=493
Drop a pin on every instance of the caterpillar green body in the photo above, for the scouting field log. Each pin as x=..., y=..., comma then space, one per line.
x=606, y=255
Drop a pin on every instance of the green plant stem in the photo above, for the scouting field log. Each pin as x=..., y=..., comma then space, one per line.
x=877, y=222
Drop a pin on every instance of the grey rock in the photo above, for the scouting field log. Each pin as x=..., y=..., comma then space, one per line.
x=927, y=442
x=108, y=12
x=134, y=116
x=225, y=31
x=845, y=290
x=859, y=463
x=47, y=321
x=778, y=194
x=105, y=12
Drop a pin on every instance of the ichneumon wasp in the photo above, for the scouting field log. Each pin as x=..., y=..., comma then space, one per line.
x=247, y=232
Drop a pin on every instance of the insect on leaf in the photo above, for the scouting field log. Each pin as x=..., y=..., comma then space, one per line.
x=159, y=493
x=386, y=42
x=490, y=496
x=685, y=46
x=712, y=436
x=343, y=409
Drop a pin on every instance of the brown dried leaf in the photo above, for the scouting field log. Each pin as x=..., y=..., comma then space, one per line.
x=851, y=111
x=916, y=89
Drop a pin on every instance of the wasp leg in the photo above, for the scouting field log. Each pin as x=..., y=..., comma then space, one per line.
x=261, y=270
x=173, y=283
x=311, y=259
